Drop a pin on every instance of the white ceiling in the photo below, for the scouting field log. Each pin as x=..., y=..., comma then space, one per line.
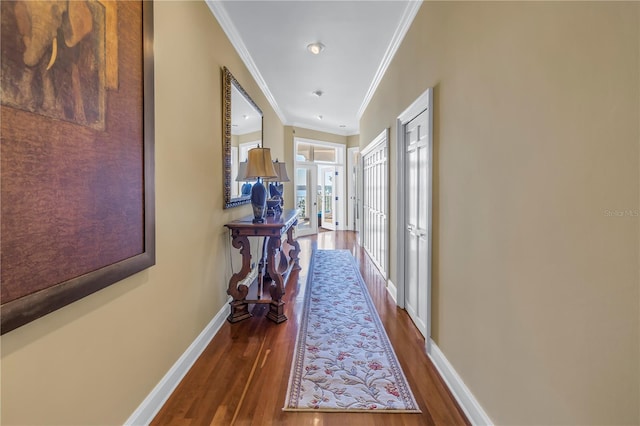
x=360, y=38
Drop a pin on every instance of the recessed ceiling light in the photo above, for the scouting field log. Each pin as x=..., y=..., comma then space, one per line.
x=343, y=125
x=318, y=93
x=315, y=48
x=319, y=117
x=246, y=117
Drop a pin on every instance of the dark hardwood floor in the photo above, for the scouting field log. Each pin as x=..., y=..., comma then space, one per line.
x=241, y=377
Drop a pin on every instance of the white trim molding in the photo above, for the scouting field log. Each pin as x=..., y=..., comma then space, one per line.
x=148, y=409
x=469, y=404
x=392, y=290
x=408, y=16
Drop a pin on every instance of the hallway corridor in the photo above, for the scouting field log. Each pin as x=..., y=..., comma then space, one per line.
x=241, y=377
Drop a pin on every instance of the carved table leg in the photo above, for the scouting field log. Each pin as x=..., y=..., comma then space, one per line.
x=293, y=253
x=284, y=262
x=262, y=267
x=239, y=306
x=276, y=307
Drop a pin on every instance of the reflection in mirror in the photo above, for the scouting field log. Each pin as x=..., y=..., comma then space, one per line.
x=242, y=132
x=241, y=189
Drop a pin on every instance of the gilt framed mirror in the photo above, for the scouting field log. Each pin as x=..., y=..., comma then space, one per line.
x=242, y=127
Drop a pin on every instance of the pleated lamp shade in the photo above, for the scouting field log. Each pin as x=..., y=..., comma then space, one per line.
x=281, y=171
x=242, y=173
x=259, y=164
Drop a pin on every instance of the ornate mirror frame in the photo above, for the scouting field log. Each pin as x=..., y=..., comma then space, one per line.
x=228, y=80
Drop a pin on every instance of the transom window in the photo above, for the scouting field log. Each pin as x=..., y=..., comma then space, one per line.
x=316, y=153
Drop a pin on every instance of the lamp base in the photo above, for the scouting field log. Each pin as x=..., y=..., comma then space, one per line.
x=258, y=201
x=273, y=207
x=275, y=203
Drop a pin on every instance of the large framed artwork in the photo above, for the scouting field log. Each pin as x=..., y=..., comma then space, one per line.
x=76, y=151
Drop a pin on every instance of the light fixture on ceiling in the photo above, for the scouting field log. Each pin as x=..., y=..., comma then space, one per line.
x=315, y=48
x=318, y=93
x=320, y=117
x=343, y=125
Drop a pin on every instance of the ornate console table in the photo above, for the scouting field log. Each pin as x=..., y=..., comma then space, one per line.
x=272, y=230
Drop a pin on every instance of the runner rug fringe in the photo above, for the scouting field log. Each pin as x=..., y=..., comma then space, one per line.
x=343, y=360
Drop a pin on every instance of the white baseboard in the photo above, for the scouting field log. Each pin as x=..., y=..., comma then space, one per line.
x=392, y=290
x=148, y=409
x=460, y=391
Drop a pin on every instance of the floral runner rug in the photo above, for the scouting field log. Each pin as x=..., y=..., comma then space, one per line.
x=343, y=360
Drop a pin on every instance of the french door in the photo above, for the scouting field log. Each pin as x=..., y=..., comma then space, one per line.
x=319, y=185
x=351, y=221
x=328, y=197
x=306, y=199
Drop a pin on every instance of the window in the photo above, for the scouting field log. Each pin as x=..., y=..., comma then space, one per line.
x=316, y=153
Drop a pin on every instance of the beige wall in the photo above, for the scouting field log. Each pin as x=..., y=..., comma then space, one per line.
x=536, y=137
x=249, y=137
x=94, y=361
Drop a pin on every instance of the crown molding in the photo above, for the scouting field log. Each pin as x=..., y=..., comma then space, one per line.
x=405, y=23
x=232, y=33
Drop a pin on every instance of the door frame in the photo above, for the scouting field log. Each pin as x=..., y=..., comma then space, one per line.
x=350, y=175
x=341, y=152
x=422, y=103
x=312, y=188
x=322, y=170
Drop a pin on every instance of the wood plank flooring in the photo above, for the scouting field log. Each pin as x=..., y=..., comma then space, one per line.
x=241, y=377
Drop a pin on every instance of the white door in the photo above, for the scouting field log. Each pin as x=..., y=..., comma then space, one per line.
x=417, y=165
x=328, y=197
x=306, y=179
x=352, y=172
x=375, y=201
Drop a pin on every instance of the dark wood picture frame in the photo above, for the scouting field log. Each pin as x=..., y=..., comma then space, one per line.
x=26, y=308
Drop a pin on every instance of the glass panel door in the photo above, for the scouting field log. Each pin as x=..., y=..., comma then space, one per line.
x=306, y=194
x=328, y=189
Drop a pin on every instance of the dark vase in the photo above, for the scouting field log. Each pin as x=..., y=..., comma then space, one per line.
x=246, y=189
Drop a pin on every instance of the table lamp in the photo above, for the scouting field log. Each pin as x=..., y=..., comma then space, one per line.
x=259, y=166
x=276, y=189
x=245, y=190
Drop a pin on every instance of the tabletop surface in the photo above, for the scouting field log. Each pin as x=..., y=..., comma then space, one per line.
x=285, y=218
